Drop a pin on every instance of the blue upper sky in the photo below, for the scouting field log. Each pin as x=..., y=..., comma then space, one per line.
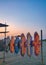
x=25, y=15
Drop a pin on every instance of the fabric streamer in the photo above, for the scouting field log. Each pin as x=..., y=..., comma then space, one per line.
x=17, y=44
x=7, y=43
x=23, y=45
x=12, y=45
x=29, y=44
x=36, y=44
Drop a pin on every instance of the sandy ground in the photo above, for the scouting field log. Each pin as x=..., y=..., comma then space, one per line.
x=17, y=59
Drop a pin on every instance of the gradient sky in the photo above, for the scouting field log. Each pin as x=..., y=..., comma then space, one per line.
x=24, y=16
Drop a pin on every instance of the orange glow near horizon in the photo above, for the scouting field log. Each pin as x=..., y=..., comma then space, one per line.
x=16, y=30
x=13, y=31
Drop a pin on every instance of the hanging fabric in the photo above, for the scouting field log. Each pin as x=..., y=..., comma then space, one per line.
x=17, y=44
x=7, y=43
x=12, y=45
x=29, y=44
x=23, y=45
x=36, y=44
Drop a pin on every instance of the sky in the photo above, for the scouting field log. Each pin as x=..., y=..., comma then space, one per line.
x=23, y=16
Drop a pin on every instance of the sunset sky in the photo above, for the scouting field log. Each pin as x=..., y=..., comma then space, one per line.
x=23, y=16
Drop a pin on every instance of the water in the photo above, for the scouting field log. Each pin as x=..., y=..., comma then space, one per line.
x=13, y=59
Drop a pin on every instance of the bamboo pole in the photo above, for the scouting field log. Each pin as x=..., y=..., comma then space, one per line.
x=5, y=44
x=41, y=47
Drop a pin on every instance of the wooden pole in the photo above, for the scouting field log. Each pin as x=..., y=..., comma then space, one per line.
x=5, y=43
x=41, y=49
